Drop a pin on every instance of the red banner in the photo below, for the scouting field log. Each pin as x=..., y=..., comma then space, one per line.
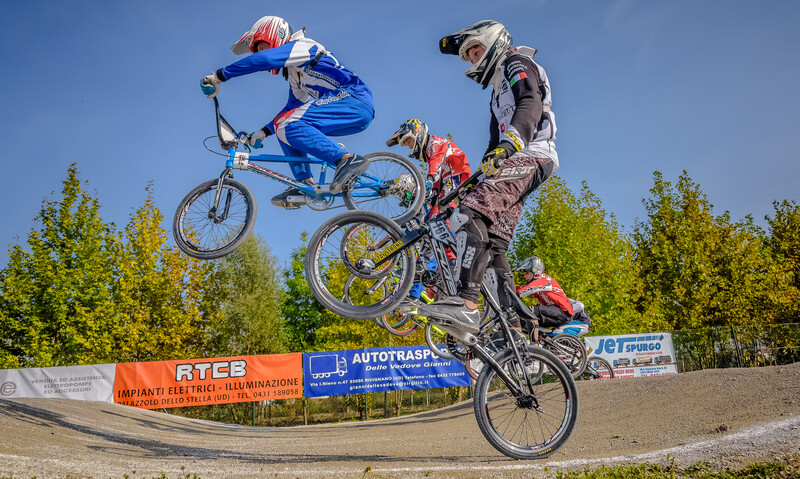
x=196, y=382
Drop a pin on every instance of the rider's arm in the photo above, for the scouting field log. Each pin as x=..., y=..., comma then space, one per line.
x=523, y=76
x=296, y=53
x=435, y=152
x=494, y=132
x=537, y=286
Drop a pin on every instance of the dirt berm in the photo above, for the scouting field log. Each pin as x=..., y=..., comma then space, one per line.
x=727, y=417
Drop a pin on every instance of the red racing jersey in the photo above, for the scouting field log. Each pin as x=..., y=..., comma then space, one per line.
x=546, y=290
x=447, y=166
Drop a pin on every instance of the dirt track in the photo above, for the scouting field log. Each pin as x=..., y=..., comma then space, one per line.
x=726, y=417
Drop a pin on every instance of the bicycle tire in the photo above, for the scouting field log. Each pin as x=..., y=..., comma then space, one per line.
x=571, y=351
x=520, y=431
x=325, y=271
x=371, y=190
x=397, y=324
x=202, y=237
x=595, y=367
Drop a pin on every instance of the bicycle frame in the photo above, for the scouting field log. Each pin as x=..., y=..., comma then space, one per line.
x=440, y=236
x=243, y=160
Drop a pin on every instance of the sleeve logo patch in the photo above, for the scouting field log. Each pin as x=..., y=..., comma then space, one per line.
x=519, y=76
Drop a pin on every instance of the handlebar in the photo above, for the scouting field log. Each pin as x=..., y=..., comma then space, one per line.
x=471, y=181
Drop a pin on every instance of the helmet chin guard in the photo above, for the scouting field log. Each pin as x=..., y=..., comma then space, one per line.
x=495, y=39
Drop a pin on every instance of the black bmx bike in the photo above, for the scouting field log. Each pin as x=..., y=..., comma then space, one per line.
x=360, y=265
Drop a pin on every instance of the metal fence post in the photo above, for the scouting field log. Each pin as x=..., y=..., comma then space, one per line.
x=736, y=345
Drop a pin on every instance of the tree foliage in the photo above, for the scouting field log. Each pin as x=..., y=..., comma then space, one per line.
x=84, y=294
x=57, y=297
x=252, y=297
x=784, y=241
x=165, y=300
x=584, y=249
x=698, y=269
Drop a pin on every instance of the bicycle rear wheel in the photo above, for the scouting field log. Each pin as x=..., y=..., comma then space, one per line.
x=535, y=424
x=363, y=238
x=571, y=351
x=598, y=368
x=392, y=186
x=203, y=232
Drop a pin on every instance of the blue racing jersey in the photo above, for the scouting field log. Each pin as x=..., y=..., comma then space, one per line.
x=313, y=72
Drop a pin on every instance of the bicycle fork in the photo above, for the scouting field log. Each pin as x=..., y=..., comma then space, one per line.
x=212, y=213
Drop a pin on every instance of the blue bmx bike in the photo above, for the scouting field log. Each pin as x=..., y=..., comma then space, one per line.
x=216, y=216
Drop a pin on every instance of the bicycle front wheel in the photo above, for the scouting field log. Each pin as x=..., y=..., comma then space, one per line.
x=392, y=186
x=436, y=339
x=341, y=266
x=539, y=421
x=203, y=231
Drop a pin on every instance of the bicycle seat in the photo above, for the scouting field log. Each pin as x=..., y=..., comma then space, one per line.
x=522, y=308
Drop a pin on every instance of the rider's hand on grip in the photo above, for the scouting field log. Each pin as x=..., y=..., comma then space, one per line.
x=493, y=160
x=210, y=85
x=256, y=137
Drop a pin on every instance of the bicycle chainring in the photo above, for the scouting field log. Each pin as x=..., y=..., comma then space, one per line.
x=319, y=204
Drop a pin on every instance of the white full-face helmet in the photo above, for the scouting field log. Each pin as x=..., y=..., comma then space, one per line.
x=495, y=39
x=275, y=31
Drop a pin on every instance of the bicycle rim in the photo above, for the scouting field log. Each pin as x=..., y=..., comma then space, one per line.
x=398, y=324
x=374, y=291
x=379, y=190
x=517, y=428
x=203, y=234
x=436, y=340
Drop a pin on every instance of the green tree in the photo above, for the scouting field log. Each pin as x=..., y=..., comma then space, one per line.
x=302, y=313
x=584, y=248
x=57, y=305
x=699, y=269
x=252, y=297
x=313, y=328
x=784, y=242
x=166, y=300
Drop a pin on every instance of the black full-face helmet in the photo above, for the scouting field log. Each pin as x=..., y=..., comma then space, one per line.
x=414, y=129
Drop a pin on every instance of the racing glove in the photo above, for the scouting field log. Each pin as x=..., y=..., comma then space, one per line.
x=493, y=160
x=257, y=136
x=210, y=85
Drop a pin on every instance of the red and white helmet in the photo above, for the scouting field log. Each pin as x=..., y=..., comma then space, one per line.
x=273, y=30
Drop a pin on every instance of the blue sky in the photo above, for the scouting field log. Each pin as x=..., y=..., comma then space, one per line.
x=709, y=87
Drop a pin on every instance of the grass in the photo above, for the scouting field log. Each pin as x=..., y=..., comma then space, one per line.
x=786, y=468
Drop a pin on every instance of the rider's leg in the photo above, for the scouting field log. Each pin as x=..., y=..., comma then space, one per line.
x=493, y=207
x=305, y=128
x=472, y=258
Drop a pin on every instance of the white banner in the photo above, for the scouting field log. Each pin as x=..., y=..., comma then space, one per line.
x=87, y=383
x=635, y=355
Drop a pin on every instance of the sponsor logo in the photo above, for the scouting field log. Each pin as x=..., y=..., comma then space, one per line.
x=8, y=388
x=469, y=255
x=331, y=99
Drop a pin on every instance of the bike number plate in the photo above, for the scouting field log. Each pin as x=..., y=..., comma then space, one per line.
x=441, y=232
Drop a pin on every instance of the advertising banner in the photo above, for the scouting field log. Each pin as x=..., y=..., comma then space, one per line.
x=86, y=383
x=379, y=369
x=635, y=355
x=195, y=382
